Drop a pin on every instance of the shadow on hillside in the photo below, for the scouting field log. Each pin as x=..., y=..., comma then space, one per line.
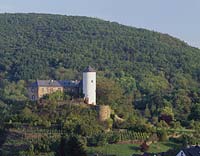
x=134, y=148
x=3, y=137
x=11, y=149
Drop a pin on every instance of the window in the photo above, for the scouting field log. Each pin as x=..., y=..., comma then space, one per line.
x=91, y=81
x=33, y=97
x=43, y=90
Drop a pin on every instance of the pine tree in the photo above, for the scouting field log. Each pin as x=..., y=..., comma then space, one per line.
x=147, y=112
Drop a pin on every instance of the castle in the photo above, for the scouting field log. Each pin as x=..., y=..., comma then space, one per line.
x=85, y=87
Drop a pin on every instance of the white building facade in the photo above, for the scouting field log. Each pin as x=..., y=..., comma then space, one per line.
x=89, y=85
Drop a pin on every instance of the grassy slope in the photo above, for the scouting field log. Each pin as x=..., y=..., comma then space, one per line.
x=129, y=149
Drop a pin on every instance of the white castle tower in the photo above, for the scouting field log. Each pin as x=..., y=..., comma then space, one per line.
x=89, y=85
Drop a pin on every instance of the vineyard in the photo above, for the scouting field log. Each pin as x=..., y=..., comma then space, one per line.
x=122, y=135
x=126, y=135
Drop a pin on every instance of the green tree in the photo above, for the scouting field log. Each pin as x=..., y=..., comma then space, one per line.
x=62, y=73
x=15, y=91
x=162, y=135
x=195, y=112
x=147, y=112
x=71, y=147
x=151, y=83
x=108, y=92
x=128, y=83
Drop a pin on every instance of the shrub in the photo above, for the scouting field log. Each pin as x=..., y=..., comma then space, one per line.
x=144, y=147
x=71, y=146
x=113, y=138
x=162, y=135
x=97, y=140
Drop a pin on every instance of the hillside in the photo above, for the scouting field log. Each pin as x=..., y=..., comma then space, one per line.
x=34, y=44
x=150, y=80
x=41, y=46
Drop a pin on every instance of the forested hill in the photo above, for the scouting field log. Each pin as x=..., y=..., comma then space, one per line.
x=150, y=80
x=35, y=45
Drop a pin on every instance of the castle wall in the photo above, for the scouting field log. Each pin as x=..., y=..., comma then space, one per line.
x=48, y=90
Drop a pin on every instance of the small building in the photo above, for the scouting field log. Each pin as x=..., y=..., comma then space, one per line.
x=85, y=87
x=191, y=151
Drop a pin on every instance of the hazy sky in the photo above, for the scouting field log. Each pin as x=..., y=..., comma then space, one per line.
x=179, y=18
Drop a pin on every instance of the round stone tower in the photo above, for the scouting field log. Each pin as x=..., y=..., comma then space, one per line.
x=89, y=85
x=104, y=112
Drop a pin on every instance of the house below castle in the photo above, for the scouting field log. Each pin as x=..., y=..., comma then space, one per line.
x=86, y=87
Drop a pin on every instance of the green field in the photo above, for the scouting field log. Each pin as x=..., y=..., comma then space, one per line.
x=129, y=149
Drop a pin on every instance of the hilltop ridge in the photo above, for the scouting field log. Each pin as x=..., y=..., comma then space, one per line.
x=53, y=41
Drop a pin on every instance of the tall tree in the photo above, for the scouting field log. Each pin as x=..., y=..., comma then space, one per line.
x=71, y=147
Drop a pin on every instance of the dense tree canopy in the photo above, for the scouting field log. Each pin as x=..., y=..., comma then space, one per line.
x=34, y=44
x=147, y=68
x=135, y=66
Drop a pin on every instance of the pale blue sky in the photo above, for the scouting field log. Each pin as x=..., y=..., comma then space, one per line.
x=179, y=18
